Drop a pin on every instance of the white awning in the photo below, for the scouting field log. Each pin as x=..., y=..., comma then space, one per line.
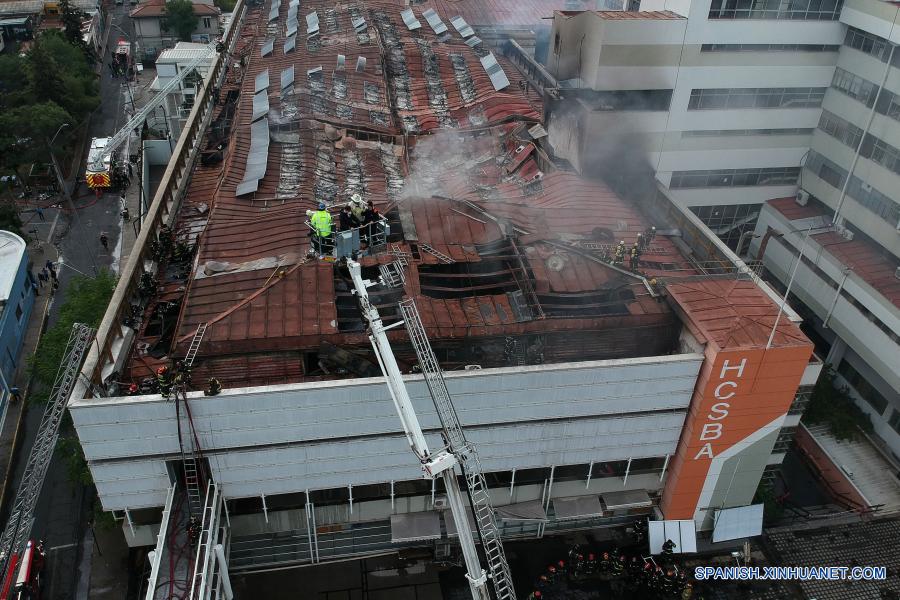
x=683, y=533
x=577, y=507
x=412, y=527
x=451, y=525
x=737, y=523
x=627, y=499
x=523, y=511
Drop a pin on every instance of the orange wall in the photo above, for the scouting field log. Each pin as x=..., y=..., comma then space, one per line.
x=728, y=405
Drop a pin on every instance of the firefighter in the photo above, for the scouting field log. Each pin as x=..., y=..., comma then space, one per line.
x=164, y=381
x=133, y=389
x=535, y=595
x=357, y=208
x=213, y=387
x=193, y=530
x=605, y=563
x=551, y=574
x=591, y=565
x=633, y=259
x=321, y=226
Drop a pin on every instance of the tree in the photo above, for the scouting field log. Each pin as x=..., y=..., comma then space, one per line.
x=9, y=219
x=181, y=19
x=24, y=132
x=832, y=405
x=71, y=18
x=86, y=301
x=60, y=72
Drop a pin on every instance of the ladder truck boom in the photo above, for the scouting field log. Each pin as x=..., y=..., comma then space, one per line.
x=441, y=463
x=13, y=542
x=97, y=160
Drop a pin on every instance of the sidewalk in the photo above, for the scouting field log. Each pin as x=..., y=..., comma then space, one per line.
x=15, y=413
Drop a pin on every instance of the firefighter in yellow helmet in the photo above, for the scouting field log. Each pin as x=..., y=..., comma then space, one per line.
x=321, y=223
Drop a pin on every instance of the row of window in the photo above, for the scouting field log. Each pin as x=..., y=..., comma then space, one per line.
x=833, y=174
x=743, y=132
x=894, y=421
x=865, y=389
x=728, y=221
x=801, y=400
x=815, y=10
x=770, y=48
x=735, y=177
x=715, y=98
x=855, y=86
x=784, y=440
x=872, y=45
x=842, y=130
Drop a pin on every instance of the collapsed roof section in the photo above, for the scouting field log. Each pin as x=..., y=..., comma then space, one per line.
x=494, y=243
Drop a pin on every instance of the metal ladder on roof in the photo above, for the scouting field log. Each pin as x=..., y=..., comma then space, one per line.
x=436, y=253
x=392, y=274
x=191, y=457
x=464, y=452
x=194, y=348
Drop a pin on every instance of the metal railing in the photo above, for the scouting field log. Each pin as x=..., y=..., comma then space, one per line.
x=348, y=243
x=157, y=553
x=202, y=585
x=111, y=334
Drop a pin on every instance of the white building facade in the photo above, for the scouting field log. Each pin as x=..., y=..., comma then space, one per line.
x=722, y=100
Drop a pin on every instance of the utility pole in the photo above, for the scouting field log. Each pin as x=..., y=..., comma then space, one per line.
x=64, y=186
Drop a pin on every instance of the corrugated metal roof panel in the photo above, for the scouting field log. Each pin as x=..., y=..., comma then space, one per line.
x=290, y=44
x=260, y=104
x=462, y=27
x=494, y=71
x=312, y=23
x=409, y=18
x=434, y=21
x=261, y=81
x=267, y=47
x=287, y=77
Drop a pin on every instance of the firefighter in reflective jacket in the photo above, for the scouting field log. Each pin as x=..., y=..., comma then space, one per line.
x=321, y=225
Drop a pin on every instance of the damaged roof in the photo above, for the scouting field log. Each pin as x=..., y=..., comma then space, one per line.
x=497, y=243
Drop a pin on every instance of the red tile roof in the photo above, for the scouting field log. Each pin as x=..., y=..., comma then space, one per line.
x=267, y=304
x=157, y=8
x=734, y=314
x=868, y=261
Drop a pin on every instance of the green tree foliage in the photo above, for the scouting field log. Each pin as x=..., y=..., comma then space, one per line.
x=69, y=449
x=86, y=301
x=51, y=85
x=226, y=6
x=772, y=509
x=9, y=219
x=181, y=19
x=71, y=18
x=832, y=405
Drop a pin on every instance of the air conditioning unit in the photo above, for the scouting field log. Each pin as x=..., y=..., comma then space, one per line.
x=802, y=198
x=845, y=233
x=440, y=503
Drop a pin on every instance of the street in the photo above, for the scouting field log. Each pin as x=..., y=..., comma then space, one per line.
x=62, y=512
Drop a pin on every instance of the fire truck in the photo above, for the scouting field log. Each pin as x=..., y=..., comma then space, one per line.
x=26, y=583
x=107, y=161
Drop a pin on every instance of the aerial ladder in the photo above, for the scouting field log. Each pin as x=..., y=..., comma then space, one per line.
x=14, y=543
x=100, y=161
x=457, y=451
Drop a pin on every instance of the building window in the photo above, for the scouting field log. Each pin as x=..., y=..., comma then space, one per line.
x=735, y=177
x=745, y=132
x=854, y=86
x=770, y=48
x=865, y=389
x=880, y=204
x=812, y=10
x=844, y=131
x=629, y=100
x=556, y=42
x=725, y=98
x=18, y=312
x=207, y=23
x=881, y=152
x=728, y=221
x=868, y=43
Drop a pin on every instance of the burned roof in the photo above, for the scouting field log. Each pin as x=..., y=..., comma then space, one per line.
x=494, y=242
